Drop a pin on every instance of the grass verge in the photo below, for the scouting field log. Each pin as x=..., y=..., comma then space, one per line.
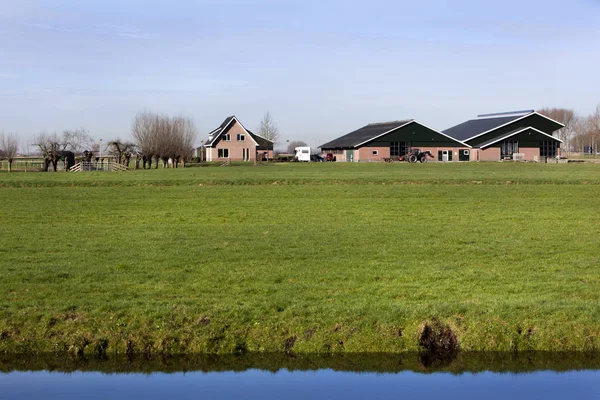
x=132, y=267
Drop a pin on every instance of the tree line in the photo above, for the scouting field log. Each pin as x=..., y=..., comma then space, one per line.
x=581, y=133
x=159, y=137
x=156, y=138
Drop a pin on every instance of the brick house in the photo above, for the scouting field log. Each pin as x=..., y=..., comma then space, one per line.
x=231, y=140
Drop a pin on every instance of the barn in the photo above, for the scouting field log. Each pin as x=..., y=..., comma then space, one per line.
x=389, y=140
x=521, y=135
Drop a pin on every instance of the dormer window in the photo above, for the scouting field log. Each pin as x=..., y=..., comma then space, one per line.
x=241, y=137
x=226, y=137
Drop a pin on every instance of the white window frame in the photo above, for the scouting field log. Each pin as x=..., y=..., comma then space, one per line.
x=375, y=153
x=226, y=137
x=241, y=137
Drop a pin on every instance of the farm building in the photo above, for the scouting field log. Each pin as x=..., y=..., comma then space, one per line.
x=231, y=140
x=525, y=135
x=390, y=140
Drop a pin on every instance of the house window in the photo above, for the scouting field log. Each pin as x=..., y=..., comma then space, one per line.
x=508, y=148
x=226, y=137
x=241, y=137
x=223, y=153
x=398, y=149
x=548, y=148
x=375, y=152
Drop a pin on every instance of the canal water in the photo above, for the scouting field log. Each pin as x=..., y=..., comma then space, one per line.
x=504, y=377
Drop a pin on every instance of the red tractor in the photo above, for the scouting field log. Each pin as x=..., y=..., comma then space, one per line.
x=417, y=155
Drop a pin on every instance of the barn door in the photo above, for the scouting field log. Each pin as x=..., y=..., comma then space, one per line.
x=350, y=155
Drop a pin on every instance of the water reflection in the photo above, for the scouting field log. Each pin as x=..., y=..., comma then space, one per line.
x=377, y=363
x=284, y=384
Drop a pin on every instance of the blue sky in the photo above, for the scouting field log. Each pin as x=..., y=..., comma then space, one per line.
x=322, y=68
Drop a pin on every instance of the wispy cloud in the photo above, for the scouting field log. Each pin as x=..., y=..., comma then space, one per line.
x=55, y=28
x=127, y=31
x=7, y=75
x=124, y=31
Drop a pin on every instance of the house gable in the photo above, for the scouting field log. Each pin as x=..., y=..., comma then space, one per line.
x=232, y=128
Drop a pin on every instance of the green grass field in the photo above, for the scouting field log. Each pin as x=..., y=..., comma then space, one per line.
x=307, y=258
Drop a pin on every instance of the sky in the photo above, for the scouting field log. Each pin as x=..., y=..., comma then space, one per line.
x=321, y=68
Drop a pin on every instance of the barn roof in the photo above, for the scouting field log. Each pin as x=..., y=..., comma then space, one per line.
x=489, y=122
x=364, y=134
x=373, y=131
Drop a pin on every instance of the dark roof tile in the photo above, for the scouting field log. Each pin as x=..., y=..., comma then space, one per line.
x=363, y=134
x=474, y=127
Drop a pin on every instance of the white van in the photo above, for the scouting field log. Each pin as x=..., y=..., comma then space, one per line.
x=302, y=153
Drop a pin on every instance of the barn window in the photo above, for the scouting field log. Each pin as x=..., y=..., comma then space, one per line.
x=548, y=148
x=375, y=152
x=398, y=149
x=508, y=148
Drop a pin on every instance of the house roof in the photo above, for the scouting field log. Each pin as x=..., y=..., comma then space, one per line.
x=214, y=135
x=487, y=123
x=364, y=134
x=263, y=144
x=514, y=133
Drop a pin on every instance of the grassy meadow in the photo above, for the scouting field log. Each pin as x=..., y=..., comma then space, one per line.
x=309, y=258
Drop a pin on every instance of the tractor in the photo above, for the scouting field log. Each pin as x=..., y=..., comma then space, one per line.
x=417, y=155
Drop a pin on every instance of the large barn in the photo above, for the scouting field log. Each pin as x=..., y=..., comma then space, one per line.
x=524, y=135
x=389, y=140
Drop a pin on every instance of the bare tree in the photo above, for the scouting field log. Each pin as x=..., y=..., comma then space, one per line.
x=268, y=128
x=122, y=150
x=77, y=140
x=9, y=145
x=163, y=138
x=293, y=144
x=182, y=136
x=587, y=133
x=189, y=135
x=96, y=148
x=566, y=117
x=143, y=130
x=52, y=148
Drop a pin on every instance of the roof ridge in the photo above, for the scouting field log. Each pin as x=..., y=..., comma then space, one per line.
x=505, y=114
x=399, y=121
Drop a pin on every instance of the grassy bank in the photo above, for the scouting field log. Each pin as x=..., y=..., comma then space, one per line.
x=160, y=262
x=321, y=173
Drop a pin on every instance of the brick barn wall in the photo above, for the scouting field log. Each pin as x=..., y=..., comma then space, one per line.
x=530, y=152
x=366, y=154
x=489, y=154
